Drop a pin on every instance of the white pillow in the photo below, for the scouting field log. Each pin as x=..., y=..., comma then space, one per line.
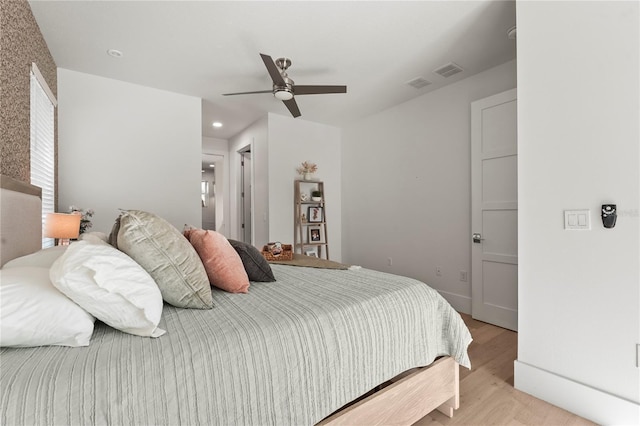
x=94, y=237
x=43, y=258
x=34, y=313
x=111, y=286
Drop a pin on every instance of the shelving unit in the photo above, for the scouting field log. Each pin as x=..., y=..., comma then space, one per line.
x=309, y=219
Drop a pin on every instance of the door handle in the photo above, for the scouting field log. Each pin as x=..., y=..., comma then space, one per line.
x=477, y=238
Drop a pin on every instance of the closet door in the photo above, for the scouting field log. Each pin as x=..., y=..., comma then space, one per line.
x=494, y=210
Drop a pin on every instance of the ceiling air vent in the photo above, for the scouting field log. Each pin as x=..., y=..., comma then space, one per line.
x=418, y=83
x=448, y=70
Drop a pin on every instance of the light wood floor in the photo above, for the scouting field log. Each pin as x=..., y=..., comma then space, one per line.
x=487, y=395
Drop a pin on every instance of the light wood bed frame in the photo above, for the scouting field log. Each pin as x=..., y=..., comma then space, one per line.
x=411, y=395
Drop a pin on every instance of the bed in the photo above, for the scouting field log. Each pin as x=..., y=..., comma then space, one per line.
x=315, y=346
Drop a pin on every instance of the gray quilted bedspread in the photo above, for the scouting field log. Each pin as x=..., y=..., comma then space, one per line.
x=289, y=352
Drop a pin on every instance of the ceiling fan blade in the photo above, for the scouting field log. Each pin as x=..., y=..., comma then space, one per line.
x=317, y=90
x=293, y=107
x=274, y=72
x=247, y=93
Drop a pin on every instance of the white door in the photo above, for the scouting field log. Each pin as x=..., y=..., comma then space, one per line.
x=245, y=197
x=494, y=210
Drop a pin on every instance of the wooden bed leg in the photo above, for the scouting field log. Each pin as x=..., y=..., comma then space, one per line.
x=452, y=403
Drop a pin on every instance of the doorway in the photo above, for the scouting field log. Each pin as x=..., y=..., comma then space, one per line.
x=212, y=192
x=246, y=208
x=494, y=210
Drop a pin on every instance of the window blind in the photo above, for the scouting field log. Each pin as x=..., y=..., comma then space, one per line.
x=42, y=144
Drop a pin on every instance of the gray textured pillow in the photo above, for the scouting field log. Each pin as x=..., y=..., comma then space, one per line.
x=166, y=255
x=255, y=264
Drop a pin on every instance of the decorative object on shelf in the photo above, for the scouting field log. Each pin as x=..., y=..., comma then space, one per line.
x=304, y=197
x=303, y=219
x=311, y=252
x=63, y=226
x=307, y=169
x=316, y=195
x=315, y=214
x=85, y=217
x=277, y=251
x=314, y=234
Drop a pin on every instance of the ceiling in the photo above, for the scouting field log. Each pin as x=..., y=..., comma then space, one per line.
x=206, y=48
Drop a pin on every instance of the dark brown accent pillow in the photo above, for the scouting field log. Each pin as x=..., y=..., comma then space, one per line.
x=113, y=236
x=257, y=267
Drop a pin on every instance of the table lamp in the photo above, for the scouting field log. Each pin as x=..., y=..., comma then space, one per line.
x=62, y=226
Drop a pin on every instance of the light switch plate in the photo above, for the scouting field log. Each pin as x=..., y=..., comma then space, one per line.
x=577, y=220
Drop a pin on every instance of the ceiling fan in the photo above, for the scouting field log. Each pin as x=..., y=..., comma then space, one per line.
x=285, y=89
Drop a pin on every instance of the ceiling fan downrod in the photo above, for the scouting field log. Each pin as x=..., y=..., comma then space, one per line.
x=283, y=64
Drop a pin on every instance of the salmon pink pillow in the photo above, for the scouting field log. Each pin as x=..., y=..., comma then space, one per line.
x=221, y=261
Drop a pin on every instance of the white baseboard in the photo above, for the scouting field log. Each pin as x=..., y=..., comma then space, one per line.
x=459, y=303
x=585, y=401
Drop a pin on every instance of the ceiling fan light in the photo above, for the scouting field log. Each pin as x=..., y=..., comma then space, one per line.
x=283, y=95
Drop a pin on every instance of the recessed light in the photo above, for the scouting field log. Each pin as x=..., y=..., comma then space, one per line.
x=217, y=124
x=212, y=165
x=115, y=53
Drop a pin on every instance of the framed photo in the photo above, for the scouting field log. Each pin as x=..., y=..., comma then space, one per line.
x=314, y=234
x=315, y=214
x=311, y=252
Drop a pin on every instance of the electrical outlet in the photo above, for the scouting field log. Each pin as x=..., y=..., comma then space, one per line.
x=463, y=276
x=389, y=261
x=438, y=271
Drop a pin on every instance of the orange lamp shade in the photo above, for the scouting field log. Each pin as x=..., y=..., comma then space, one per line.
x=62, y=225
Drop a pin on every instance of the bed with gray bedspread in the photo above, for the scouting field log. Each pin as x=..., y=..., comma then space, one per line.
x=289, y=352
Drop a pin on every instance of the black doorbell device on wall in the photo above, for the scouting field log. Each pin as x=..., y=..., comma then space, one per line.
x=609, y=215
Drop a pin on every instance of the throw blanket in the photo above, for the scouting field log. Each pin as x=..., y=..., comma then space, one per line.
x=310, y=262
x=289, y=352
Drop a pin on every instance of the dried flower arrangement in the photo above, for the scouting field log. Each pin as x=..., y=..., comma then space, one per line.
x=307, y=167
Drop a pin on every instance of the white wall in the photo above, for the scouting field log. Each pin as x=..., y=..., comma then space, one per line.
x=279, y=144
x=292, y=141
x=256, y=136
x=214, y=145
x=127, y=146
x=406, y=185
x=217, y=150
x=578, y=142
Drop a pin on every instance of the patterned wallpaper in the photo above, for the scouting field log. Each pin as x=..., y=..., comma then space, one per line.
x=22, y=43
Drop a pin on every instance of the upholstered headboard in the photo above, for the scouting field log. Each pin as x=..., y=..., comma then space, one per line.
x=20, y=219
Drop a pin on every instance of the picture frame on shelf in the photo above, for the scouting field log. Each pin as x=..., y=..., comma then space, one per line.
x=315, y=235
x=315, y=214
x=311, y=252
